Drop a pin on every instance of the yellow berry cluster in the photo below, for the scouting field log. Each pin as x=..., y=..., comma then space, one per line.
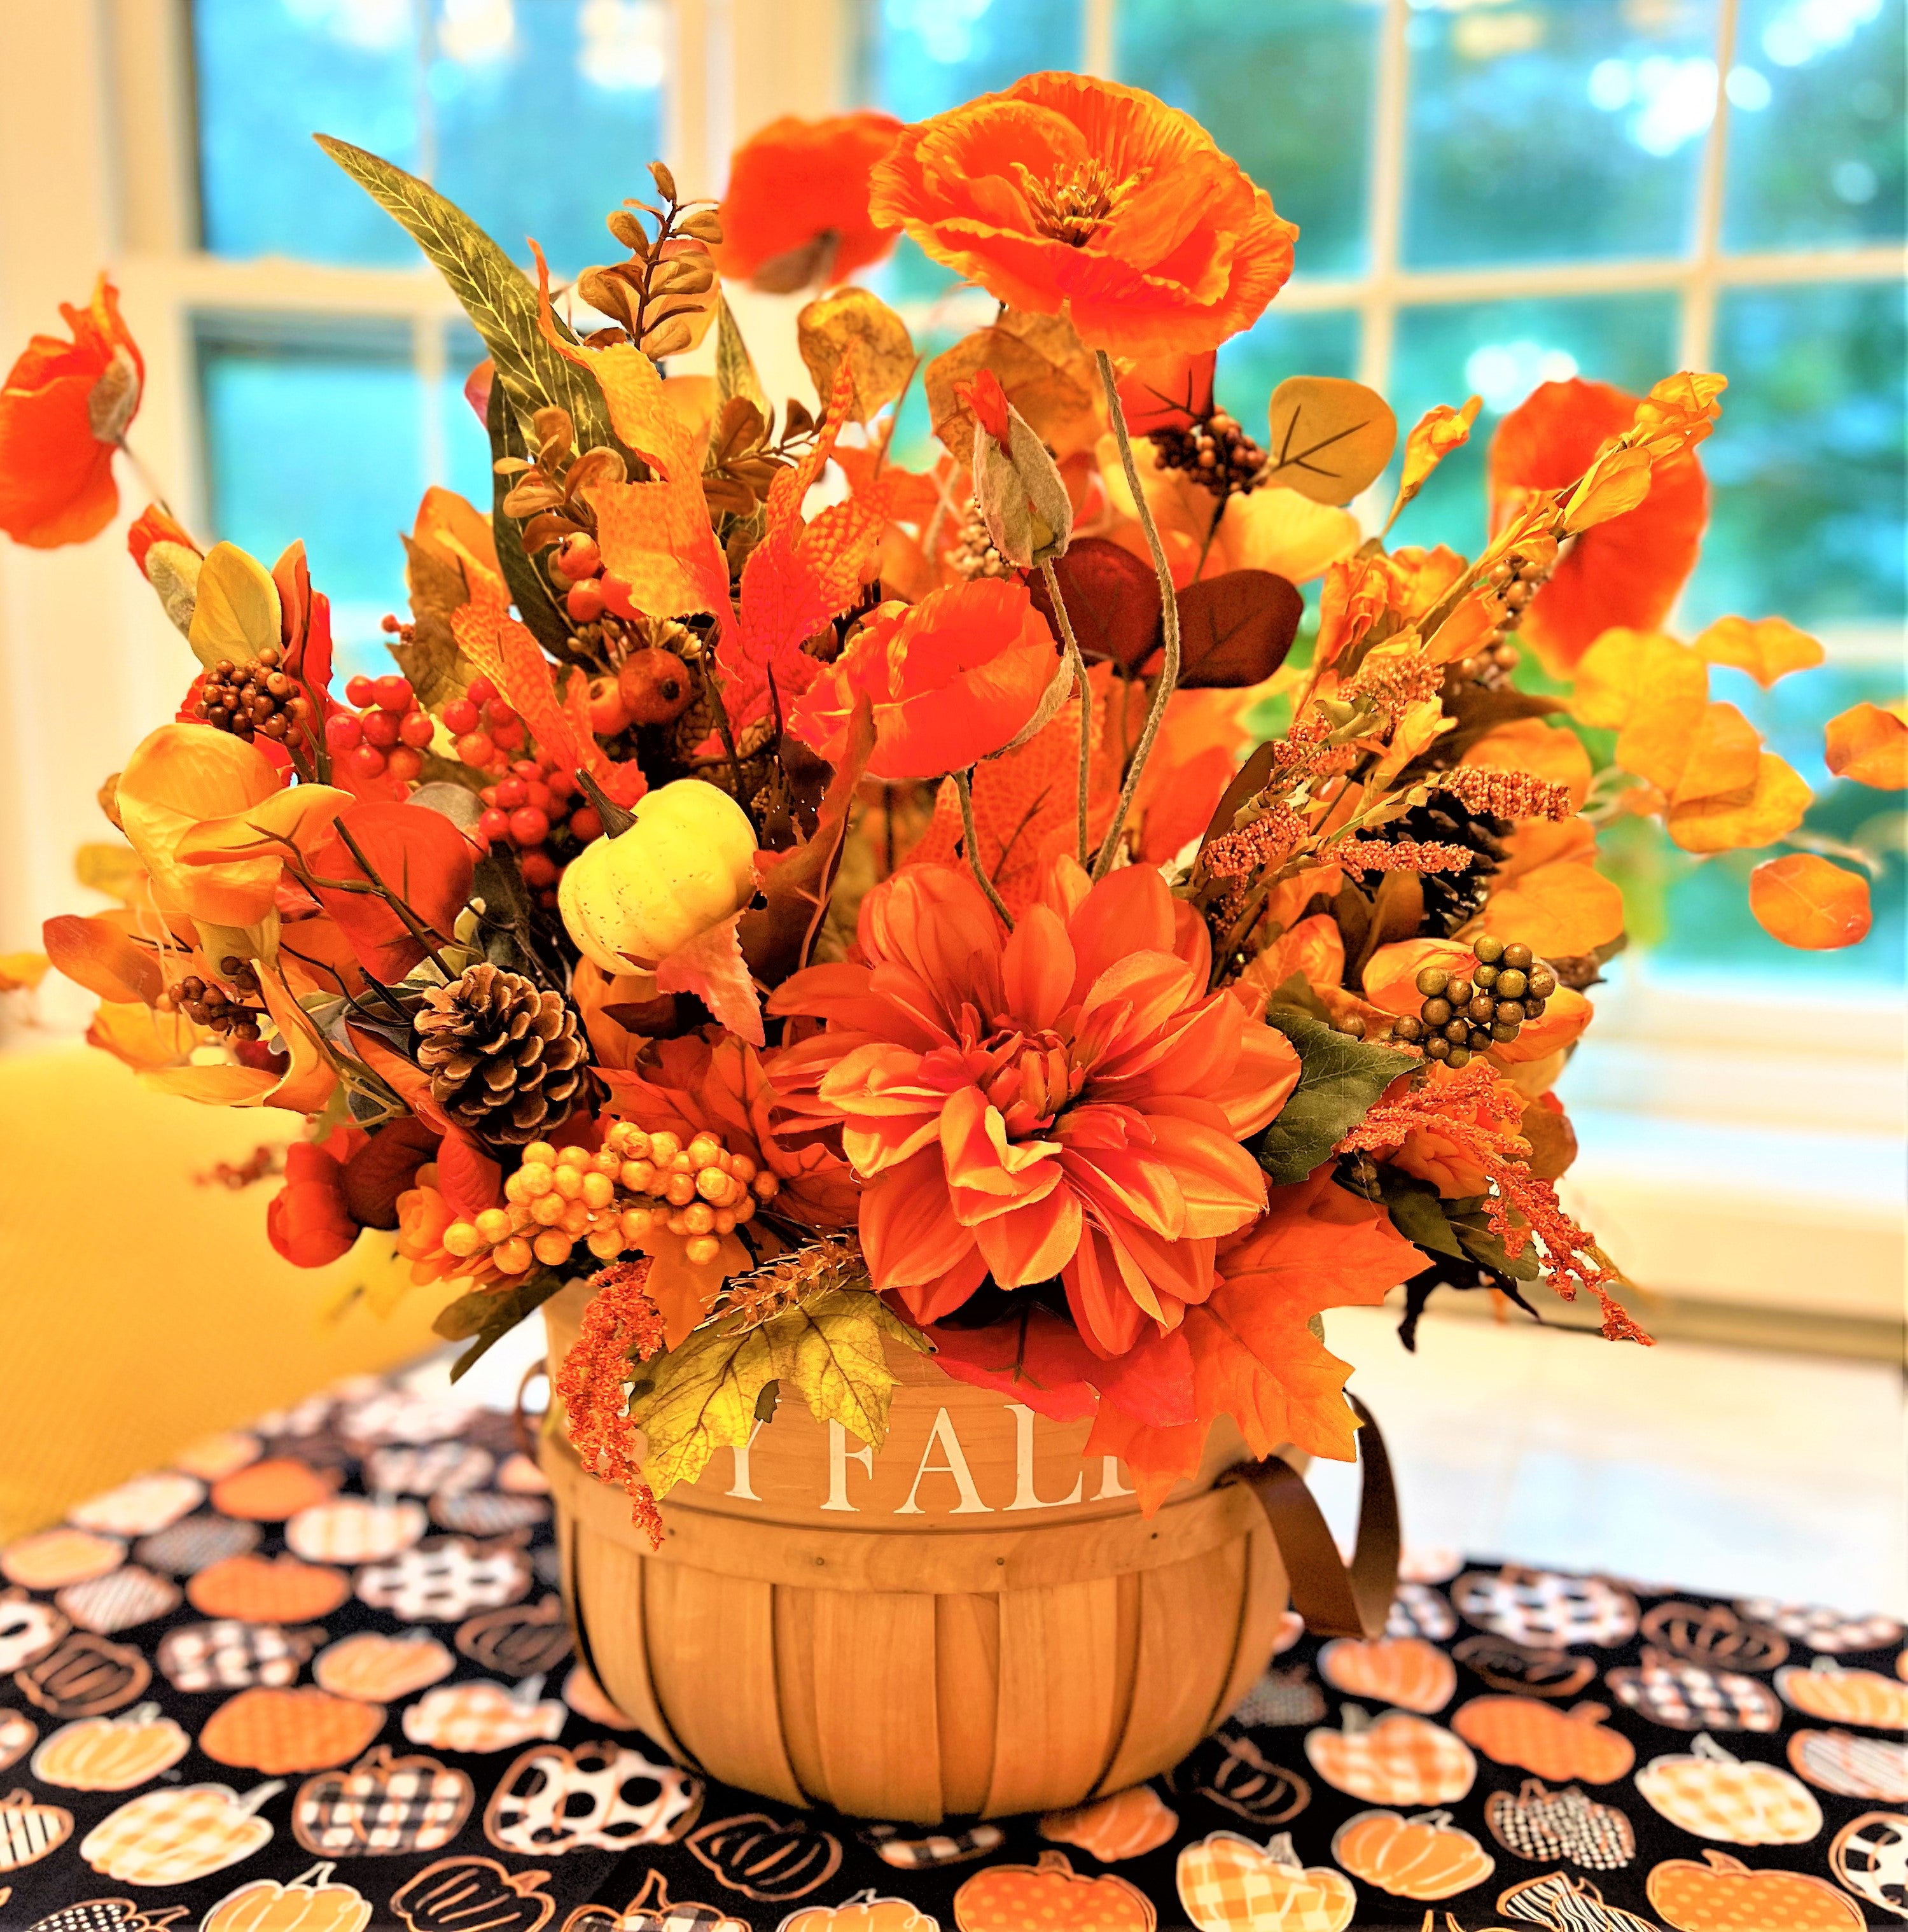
x=635, y=1186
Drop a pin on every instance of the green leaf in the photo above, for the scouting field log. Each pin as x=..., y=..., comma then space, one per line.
x=489, y=1314
x=711, y=1391
x=699, y=1398
x=1419, y=1213
x=1338, y=1080
x=1483, y=1245
x=495, y=292
x=734, y=368
x=829, y=1350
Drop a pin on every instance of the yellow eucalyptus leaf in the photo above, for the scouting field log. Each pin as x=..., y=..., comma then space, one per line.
x=237, y=614
x=1627, y=672
x=852, y=323
x=1775, y=805
x=19, y=971
x=114, y=870
x=1767, y=648
x=1329, y=437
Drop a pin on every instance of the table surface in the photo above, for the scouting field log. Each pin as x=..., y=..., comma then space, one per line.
x=159, y=1766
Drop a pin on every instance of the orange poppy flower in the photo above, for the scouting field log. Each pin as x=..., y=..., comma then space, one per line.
x=953, y=678
x=1067, y=193
x=796, y=212
x=1625, y=571
x=1068, y=1099
x=63, y=410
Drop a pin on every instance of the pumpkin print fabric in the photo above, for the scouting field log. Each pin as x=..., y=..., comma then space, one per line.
x=364, y=1709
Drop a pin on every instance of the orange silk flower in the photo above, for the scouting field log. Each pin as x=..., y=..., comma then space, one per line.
x=797, y=208
x=1068, y=1100
x=1070, y=194
x=1626, y=572
x=953, y=678
x=63, y=410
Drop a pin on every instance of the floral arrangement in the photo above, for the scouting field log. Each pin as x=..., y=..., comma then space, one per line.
x=886, y=913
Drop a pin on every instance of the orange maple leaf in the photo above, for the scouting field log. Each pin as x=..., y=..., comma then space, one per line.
x=510, y=657
x=801, y=575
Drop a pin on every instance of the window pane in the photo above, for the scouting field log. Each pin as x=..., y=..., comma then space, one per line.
x=921, y=57
x=1556, y=129
x=315, y=429
x=1815, y=147
x=475, y=93
x=547, y=113
x=1806, y=465
x=1283, y=344
x=268, y=72
x=464, y=444
x=1501, y=351
x=1227, y=65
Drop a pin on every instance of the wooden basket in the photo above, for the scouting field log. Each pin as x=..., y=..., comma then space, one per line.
x=976, y=1621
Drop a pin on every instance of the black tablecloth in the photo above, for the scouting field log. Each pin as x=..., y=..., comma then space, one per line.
x=369, y=1714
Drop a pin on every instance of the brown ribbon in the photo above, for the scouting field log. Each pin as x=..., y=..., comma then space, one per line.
x=1334, y=1600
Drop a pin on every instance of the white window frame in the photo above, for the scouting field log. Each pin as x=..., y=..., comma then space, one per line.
x=98, y=163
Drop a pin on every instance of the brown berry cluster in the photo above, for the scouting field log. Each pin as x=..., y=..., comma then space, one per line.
x=972, y=553
x=1516, y=580
x=1216, y=453
x=1467, y=1013
x=257, y=700
x=206, y=1003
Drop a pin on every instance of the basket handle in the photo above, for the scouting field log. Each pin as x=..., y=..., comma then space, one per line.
x=1333, y=1599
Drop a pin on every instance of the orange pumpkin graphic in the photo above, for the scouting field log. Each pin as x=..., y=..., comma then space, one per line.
x=864, y=1912
x=111, y=1754
x=1398, y=1759
x=283, y=1730
x=270, y=1491
x=1228, y=1884
x=1864, y=1697
x=383, y=1669
x=1404, y=1672
x=1424, y=1857
x=1049, y=1896
x=1556, y=1744
x=1722, y=1894
x=30, y=1830
x=51, y=1558
x=313, y=1902
x=1710, y=1794
x=1127, y=1826
x=267, y=1590
x=173, y=1837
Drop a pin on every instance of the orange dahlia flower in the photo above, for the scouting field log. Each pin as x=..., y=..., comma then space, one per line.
x=63, y=410
x=796, y=211
x=1068, y=1100
x=953, y=678
x=1068, y=194
x=1626, y=572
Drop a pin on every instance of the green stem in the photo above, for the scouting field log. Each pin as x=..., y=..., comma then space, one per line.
x=1078, y=664
x=1169, y=675
x=963, y=785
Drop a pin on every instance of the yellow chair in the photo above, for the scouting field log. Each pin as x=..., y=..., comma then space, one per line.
x=138, y=1308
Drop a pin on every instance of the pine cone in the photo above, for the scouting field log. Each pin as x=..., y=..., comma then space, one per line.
x=1450, y=898
x=504, y=1058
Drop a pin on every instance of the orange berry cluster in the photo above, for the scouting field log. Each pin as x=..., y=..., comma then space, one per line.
x=613, y=1199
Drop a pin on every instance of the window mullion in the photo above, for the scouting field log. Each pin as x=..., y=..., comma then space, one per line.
x=1699, y=311
x=1389, y=112
x=1097, y=52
